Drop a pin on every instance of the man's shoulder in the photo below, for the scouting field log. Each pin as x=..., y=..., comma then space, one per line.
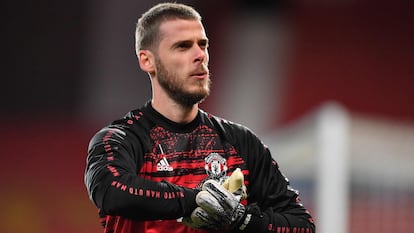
x=131, y=121
x=225, y=125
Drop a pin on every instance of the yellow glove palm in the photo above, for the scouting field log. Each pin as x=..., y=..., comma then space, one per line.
x=235, y=183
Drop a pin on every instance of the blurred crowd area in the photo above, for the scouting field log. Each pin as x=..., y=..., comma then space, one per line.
x=70, y=68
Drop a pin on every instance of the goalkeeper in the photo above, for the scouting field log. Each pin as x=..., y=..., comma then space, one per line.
x=169, y=166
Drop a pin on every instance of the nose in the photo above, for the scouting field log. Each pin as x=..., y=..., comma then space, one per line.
x=201, y=54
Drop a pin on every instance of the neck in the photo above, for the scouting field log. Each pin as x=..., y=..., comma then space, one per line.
x=174, y=111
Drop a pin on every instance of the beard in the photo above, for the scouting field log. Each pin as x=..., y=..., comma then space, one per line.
x=175, y=87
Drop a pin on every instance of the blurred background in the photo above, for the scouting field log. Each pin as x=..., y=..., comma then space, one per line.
x=328, y=85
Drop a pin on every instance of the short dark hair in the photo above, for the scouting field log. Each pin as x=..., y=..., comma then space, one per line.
x=147, y=34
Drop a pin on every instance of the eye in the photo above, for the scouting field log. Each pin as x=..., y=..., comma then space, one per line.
x=184, y=45
x=203, y=44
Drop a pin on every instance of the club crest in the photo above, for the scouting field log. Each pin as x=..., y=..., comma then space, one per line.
x=216, y=166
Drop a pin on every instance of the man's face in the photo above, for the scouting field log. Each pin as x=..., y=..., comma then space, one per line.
x=182, y=61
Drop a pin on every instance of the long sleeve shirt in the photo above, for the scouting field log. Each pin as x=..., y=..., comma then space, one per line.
x=143, y=172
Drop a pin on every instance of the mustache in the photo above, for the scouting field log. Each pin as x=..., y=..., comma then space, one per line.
x=202, y=70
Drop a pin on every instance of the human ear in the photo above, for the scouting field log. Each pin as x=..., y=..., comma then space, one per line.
x=146, y=61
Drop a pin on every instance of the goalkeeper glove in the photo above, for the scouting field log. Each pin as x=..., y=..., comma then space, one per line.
x=219, y=206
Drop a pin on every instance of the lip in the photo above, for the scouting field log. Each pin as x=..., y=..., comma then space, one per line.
x=200, y=75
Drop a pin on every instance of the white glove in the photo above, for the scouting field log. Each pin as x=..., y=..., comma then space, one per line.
x=219, y=206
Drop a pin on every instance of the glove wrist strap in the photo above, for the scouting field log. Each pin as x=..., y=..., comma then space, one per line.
x=245, y=222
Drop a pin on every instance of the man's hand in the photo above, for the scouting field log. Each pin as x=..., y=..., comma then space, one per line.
x=219, y=205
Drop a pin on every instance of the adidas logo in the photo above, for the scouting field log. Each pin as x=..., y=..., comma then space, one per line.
x=163, y=165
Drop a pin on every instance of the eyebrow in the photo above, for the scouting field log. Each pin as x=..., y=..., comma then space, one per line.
x=204, y=40
x=176, y=44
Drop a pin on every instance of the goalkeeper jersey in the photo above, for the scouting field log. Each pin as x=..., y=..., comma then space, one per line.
x=143, y=172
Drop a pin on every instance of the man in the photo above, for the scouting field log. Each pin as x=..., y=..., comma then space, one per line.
x=166, y=167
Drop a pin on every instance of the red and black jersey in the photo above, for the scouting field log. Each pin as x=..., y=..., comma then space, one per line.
x=144, y=171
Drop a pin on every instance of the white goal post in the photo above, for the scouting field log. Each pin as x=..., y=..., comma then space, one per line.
x=351, y=169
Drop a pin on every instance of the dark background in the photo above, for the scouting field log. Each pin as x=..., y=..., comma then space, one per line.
x=357, y=53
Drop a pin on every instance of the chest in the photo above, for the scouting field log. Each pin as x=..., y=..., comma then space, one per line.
x=188, y=159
